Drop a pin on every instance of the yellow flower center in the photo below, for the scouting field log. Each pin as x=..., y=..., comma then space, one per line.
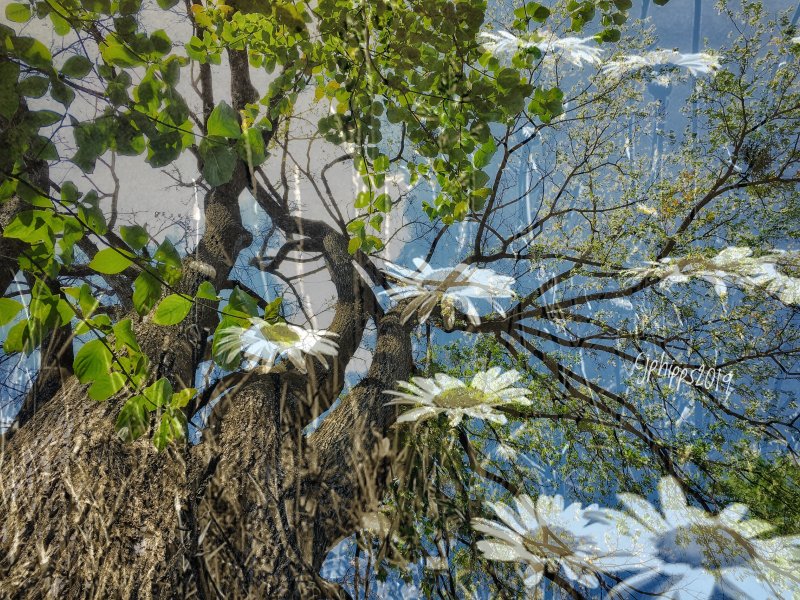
x=460, y=397
x=280, y=333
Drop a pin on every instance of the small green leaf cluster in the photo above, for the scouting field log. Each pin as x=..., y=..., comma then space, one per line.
x=159, y=398
x=45, y=312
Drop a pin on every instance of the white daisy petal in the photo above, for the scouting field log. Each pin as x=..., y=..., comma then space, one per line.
x=733, y=513
x=644, y=512
x=673, y=501
x=497, y=550
x=417, y=414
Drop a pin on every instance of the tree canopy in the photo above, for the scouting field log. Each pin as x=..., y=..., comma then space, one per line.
x=379, y=298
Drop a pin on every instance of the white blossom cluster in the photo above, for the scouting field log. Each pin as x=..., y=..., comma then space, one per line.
x=659, y=62
x=573, y=49
x=735, y=266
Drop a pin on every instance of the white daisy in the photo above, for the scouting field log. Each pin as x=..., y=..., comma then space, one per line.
x=541, y=535
x=456, y=287
x=264, y=342
x=573, y=49
x=696, y=64
x=735, y=266
x=502, y=42
x=451, y=396
x=698, y=551
x=795, y=40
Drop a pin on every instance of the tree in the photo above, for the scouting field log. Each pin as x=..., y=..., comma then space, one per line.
x=187, y=433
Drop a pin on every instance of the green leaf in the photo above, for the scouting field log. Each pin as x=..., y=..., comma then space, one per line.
x=356, y=226
x=533, y=10
x=77, y=67
x=110, y=261
x=116, y=54
x=172, y=310
x=8, y=310
x=508, y=78
x=92, y=361
x=30, y=226
x=226, y=348
x=161, y=43
x=362, y=199
x=206, y=291
x=383, y=203
x=381, y=163
x=169, y=262
x=146, y=292
x=167, y=4
x=44, y=118
x=87, y=301
x=218, y=163
x=60, y=25
x=181, y=399
x=34, y=86
x=15, y=338
x=159, y=394
x=18, y=12
x=91, y=138
x=106, y=386
x=94, y=218
x=135, y=236
x=62, y=93
x=133, y=420
x=251, y=147
x=272, y=311
x=223, y=122
x=483, y=155
x=123, y=331
x=243, y=302
x=353, y=245
x=9, y=98
x=32, y=51
x=611, y=35
x=171, y=427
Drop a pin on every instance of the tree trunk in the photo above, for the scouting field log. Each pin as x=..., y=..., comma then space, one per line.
x=83, y=514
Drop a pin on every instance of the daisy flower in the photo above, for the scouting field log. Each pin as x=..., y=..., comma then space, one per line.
x=502, y=42
x=696, y=64
x=795, y=40
x=698, y=551
x=451, y=396
x=456, y=287
x=263, y=343
x=542, y=535
x=573, y=49
x=730, y=266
